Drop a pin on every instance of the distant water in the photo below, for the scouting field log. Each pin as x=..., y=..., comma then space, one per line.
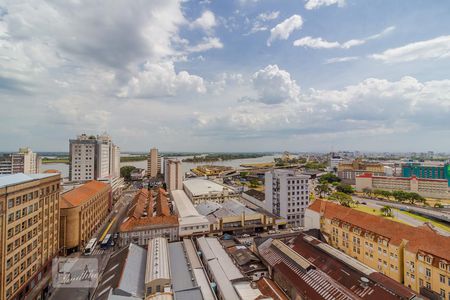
x=235, y=163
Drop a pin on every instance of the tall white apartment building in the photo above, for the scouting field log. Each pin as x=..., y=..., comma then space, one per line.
x=287, y=195
x=173, y=174
x=153, y=163
x=93, y=157
x=115, y=161
x=103, y=156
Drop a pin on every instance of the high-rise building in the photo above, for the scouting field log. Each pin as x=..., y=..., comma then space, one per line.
x=287, y=195
x=173, y=174
x=153, y=163
x=24, y=161
x=93, y=157
x=29, y=229
x=115, y=161
x=103, y=156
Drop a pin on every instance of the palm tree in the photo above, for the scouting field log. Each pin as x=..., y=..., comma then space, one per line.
x=386, y=211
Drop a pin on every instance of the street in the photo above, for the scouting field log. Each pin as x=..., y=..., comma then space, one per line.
x=111, y=224
x=398, y=214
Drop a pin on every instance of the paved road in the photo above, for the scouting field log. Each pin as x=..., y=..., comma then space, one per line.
x=441, y=214
x=117, y=215
x=398, y=214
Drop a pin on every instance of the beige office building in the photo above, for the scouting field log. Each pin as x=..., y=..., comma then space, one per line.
x=153, y=163
x=29, y=216
x=173, y=174
x=83, y=210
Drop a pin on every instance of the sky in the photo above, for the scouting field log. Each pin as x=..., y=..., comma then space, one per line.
x=226, y=75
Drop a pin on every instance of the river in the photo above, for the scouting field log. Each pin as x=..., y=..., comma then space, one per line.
x=187, y=166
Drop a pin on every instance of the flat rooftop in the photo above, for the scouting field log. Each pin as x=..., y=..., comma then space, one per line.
x=13, y=179
x=197, y=186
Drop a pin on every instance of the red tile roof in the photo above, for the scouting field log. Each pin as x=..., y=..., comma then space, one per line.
x=81, y=194
x=143, y=202
x=419, y=238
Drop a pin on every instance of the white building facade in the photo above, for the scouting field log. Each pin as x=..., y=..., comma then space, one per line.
x=287, y=195
x=93, y=158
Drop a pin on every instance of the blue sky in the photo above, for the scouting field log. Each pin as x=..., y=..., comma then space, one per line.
x=237, y=75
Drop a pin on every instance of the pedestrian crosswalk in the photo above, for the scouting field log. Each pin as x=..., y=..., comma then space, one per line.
x=85, y=275
x=98, y=251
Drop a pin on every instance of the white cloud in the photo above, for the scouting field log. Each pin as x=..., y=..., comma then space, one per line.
x=316, y=43
x=283, y=30
x=340, y=59
x=320, y=43
x=267, y=16
x=373, y=107
x=161, y=80
x=206, y=21
x=274, y=85
x=313, y=4
x=436, y=48
x=260, y=21
x=207, y=44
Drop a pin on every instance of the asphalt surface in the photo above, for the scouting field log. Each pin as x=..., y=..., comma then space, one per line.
x=398, y=214
x=117, y=216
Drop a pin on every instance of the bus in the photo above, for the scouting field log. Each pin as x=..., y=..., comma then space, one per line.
x=90, y=246
x=106, y=242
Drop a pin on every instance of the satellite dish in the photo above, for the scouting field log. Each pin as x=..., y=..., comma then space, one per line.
x=364, y=279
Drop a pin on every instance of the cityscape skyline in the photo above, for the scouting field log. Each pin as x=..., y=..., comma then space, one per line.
x=227, y=76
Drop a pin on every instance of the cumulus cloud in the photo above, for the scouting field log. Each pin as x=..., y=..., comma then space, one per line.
x=274, y=85
x=320, y=43
x=206, y=21
x=313, y=4
x=369, y=108
x=161, y=80
x=436, y=48
x=283, y=30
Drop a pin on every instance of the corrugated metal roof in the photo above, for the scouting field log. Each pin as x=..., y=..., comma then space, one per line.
x=157, y=260
x=231, y=271
x=133, y=274
x=181, y=276
x=222, y=281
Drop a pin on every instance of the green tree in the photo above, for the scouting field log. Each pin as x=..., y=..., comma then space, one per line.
x=386, y=211
x=329, y=178
x=343, y=199
x=438, y=205
x=254, y=183
x=400, y=196
x=125, y=172
x=414, y=197
x=367, y=191
x=322, y=189
x=344, y=188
